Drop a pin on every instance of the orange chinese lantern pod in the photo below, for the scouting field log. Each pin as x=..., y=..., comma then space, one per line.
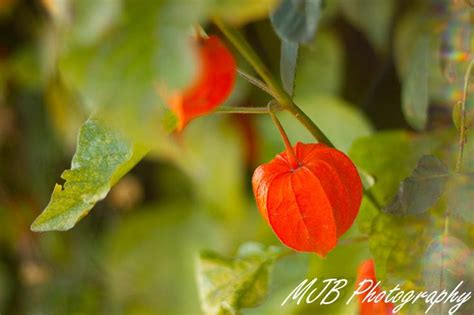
x=310, y=202
x=213, y=84
x=367, y=272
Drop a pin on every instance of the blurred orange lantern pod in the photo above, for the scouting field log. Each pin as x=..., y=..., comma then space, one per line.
x=367, y=272
x=312, y=203
x=212, y=85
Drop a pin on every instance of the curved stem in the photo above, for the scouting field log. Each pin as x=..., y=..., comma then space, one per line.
x=289, y=149
x=278, y=92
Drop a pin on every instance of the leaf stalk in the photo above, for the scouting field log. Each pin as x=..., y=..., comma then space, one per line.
x=289, y=148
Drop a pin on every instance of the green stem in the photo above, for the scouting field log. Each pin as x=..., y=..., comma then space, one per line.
x=370, y=196
x=241, y=110
x=462, y=132
x=249, y=54
x=317, y=133
x=462, y=136
x=256, y=82
x=278, y=92
x=289, y=149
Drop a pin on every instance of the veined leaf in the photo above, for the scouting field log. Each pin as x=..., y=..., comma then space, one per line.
x=288, y=61
x=417, y=193
x=451, y=255
x=389, y=157
x=445, y=86
x=227, y=285
x=397, y=245
x=446, y=263
x=295, y=21
x=102, y=157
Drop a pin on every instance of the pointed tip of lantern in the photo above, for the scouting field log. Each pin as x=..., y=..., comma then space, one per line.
x=181, y=124
x=318, y=252
x=182, y=119
x=322, y=253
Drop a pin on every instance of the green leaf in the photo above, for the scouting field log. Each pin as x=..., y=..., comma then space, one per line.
x=415, y=93
x=288, y=61
x=155, y=249
x=102, y=157
x=460, y=195
x=446, y=263
x=417, y=193
x=416, y=252
x=397, y=245
x=447, y=257
x=371, y=17
x=388, y=157
x=320, y=66
x=296, y=20
x=411, y=28
x=367, y=213
x=287, y=271
x=457, y=115
x=408, y=30
x=227, y=285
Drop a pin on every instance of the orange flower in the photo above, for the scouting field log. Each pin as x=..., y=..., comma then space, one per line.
x=367, y=272
x=309, y=202
x=214, y=82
